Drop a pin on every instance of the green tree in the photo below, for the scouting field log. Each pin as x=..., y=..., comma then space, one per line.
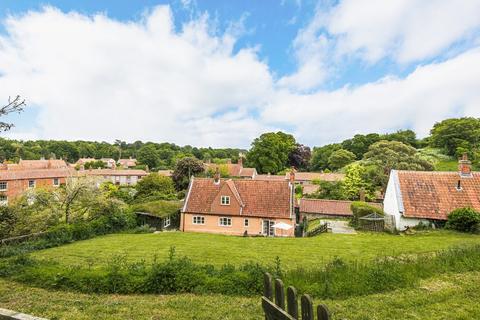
x=340, y=158
x=184, y=169
x=155, y=185
x=328, y=190
x=354, y=183
x=405, y=136
x=320, y=156
x=464, y=219
x=452, y=134
x=148, y=155
x=360, y=143
x=270, y=151
x=388, y=155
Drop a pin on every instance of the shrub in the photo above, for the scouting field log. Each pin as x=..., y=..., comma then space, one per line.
x=464, y=220
x=362, y=209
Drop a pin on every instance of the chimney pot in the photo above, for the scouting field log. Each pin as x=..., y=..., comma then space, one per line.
x=465, y=166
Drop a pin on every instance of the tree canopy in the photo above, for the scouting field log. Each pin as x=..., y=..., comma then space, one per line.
x=340, y=158
x=456, y=136
x=270, y=152
x=184, y=169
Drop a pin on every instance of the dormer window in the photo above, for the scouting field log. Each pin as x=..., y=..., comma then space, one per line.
x=225, y=200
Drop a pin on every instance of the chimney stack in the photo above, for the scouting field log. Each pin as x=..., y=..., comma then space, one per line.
x=292, y=175
x=465, y=166
x=216, y=176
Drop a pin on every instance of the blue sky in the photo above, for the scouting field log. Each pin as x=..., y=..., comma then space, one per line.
x=219, y=73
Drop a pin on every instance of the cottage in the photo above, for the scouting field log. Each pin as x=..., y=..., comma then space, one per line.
x=321, y=208
x=418, y=196
x=118, y=177
x=15, y=179
x=239, y=206
x=309, y=177
x=234, y=169
x=127, y=163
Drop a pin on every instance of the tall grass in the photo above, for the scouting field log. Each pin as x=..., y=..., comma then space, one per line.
x=338, y=279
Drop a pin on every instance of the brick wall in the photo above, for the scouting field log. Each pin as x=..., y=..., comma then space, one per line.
x=16, y=188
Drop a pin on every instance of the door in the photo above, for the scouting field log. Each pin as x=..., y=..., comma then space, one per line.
x=268, y=229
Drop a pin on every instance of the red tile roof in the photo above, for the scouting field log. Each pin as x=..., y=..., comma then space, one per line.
x=433, y=195
x=127, y=162
x=113, y=172
x=310, y=188
x=234, y=169
x=36, y=174
x=271, y=199
x=310, y=176
x=269, y=177
x=328, y=207
x=39, y=164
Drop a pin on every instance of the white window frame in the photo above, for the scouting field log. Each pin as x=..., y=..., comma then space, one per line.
x=56, y=180
x=166, y=222
x=6, y=185
x=225, y=221
x=5, y=201
x=34, y=183
x=246, y=223
x=199, y=220
x=225, y=200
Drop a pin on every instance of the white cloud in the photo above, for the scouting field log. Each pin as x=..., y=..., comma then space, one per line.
x=405, y=30
x=431, y=93
x=97, y=78
x=91, y=77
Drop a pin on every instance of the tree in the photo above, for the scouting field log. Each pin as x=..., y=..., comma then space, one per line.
x=155, y=185
x=388, y=155
x=320, y=156
x=452, y=134
x=15, y=105
x=270, y=151
x=148, y=155
x=360, y=143
x=405, y=136
x=328, y=190
x=300, y=157
x=464, y=219
x=340, y=158
x=354, y=183
x=97, y=164
x=184, y=169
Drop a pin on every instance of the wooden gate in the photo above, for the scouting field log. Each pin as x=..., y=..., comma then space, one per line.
x=277, y=311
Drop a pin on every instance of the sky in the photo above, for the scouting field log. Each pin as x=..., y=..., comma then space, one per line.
x=220, y=73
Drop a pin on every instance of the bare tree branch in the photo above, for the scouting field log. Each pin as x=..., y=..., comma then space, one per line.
x=15, y=105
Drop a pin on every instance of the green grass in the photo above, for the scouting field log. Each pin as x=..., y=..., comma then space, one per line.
x=452, y=296
x=219, y=249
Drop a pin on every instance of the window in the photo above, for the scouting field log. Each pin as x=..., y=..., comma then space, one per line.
x=31, y=183
x=3, y=185
x=225, y=222
x=198, y=220
x=3, y=200
x=166, y=222
x=245, y=222
x=56, y=182
x=225, y=201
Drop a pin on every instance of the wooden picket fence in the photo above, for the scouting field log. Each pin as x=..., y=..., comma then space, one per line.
x=277, y=311
x=318, y=230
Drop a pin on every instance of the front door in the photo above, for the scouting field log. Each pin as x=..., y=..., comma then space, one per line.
x=268, y=229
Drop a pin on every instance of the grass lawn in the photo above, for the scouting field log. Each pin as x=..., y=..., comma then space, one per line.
x=451, y=296
x=219, y=249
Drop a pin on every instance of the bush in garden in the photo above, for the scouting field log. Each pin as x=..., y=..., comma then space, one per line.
x=362, y=209
x=464, y=220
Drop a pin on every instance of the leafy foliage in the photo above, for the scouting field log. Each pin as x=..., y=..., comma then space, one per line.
x=328, y=190
x=161, y=208
x=321, y=155
x=362, y=209
x=155, y=185
x=464, y=219
x=355, y=183
x=184, y=169
x=270, y=152
x=300, y=157
x=456, y=136
x=340, y=158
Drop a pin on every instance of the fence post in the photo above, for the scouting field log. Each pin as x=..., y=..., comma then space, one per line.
x=292, y=303
x=279, y=294
x=322, y=312
x=307, y=307
x=267, y=286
